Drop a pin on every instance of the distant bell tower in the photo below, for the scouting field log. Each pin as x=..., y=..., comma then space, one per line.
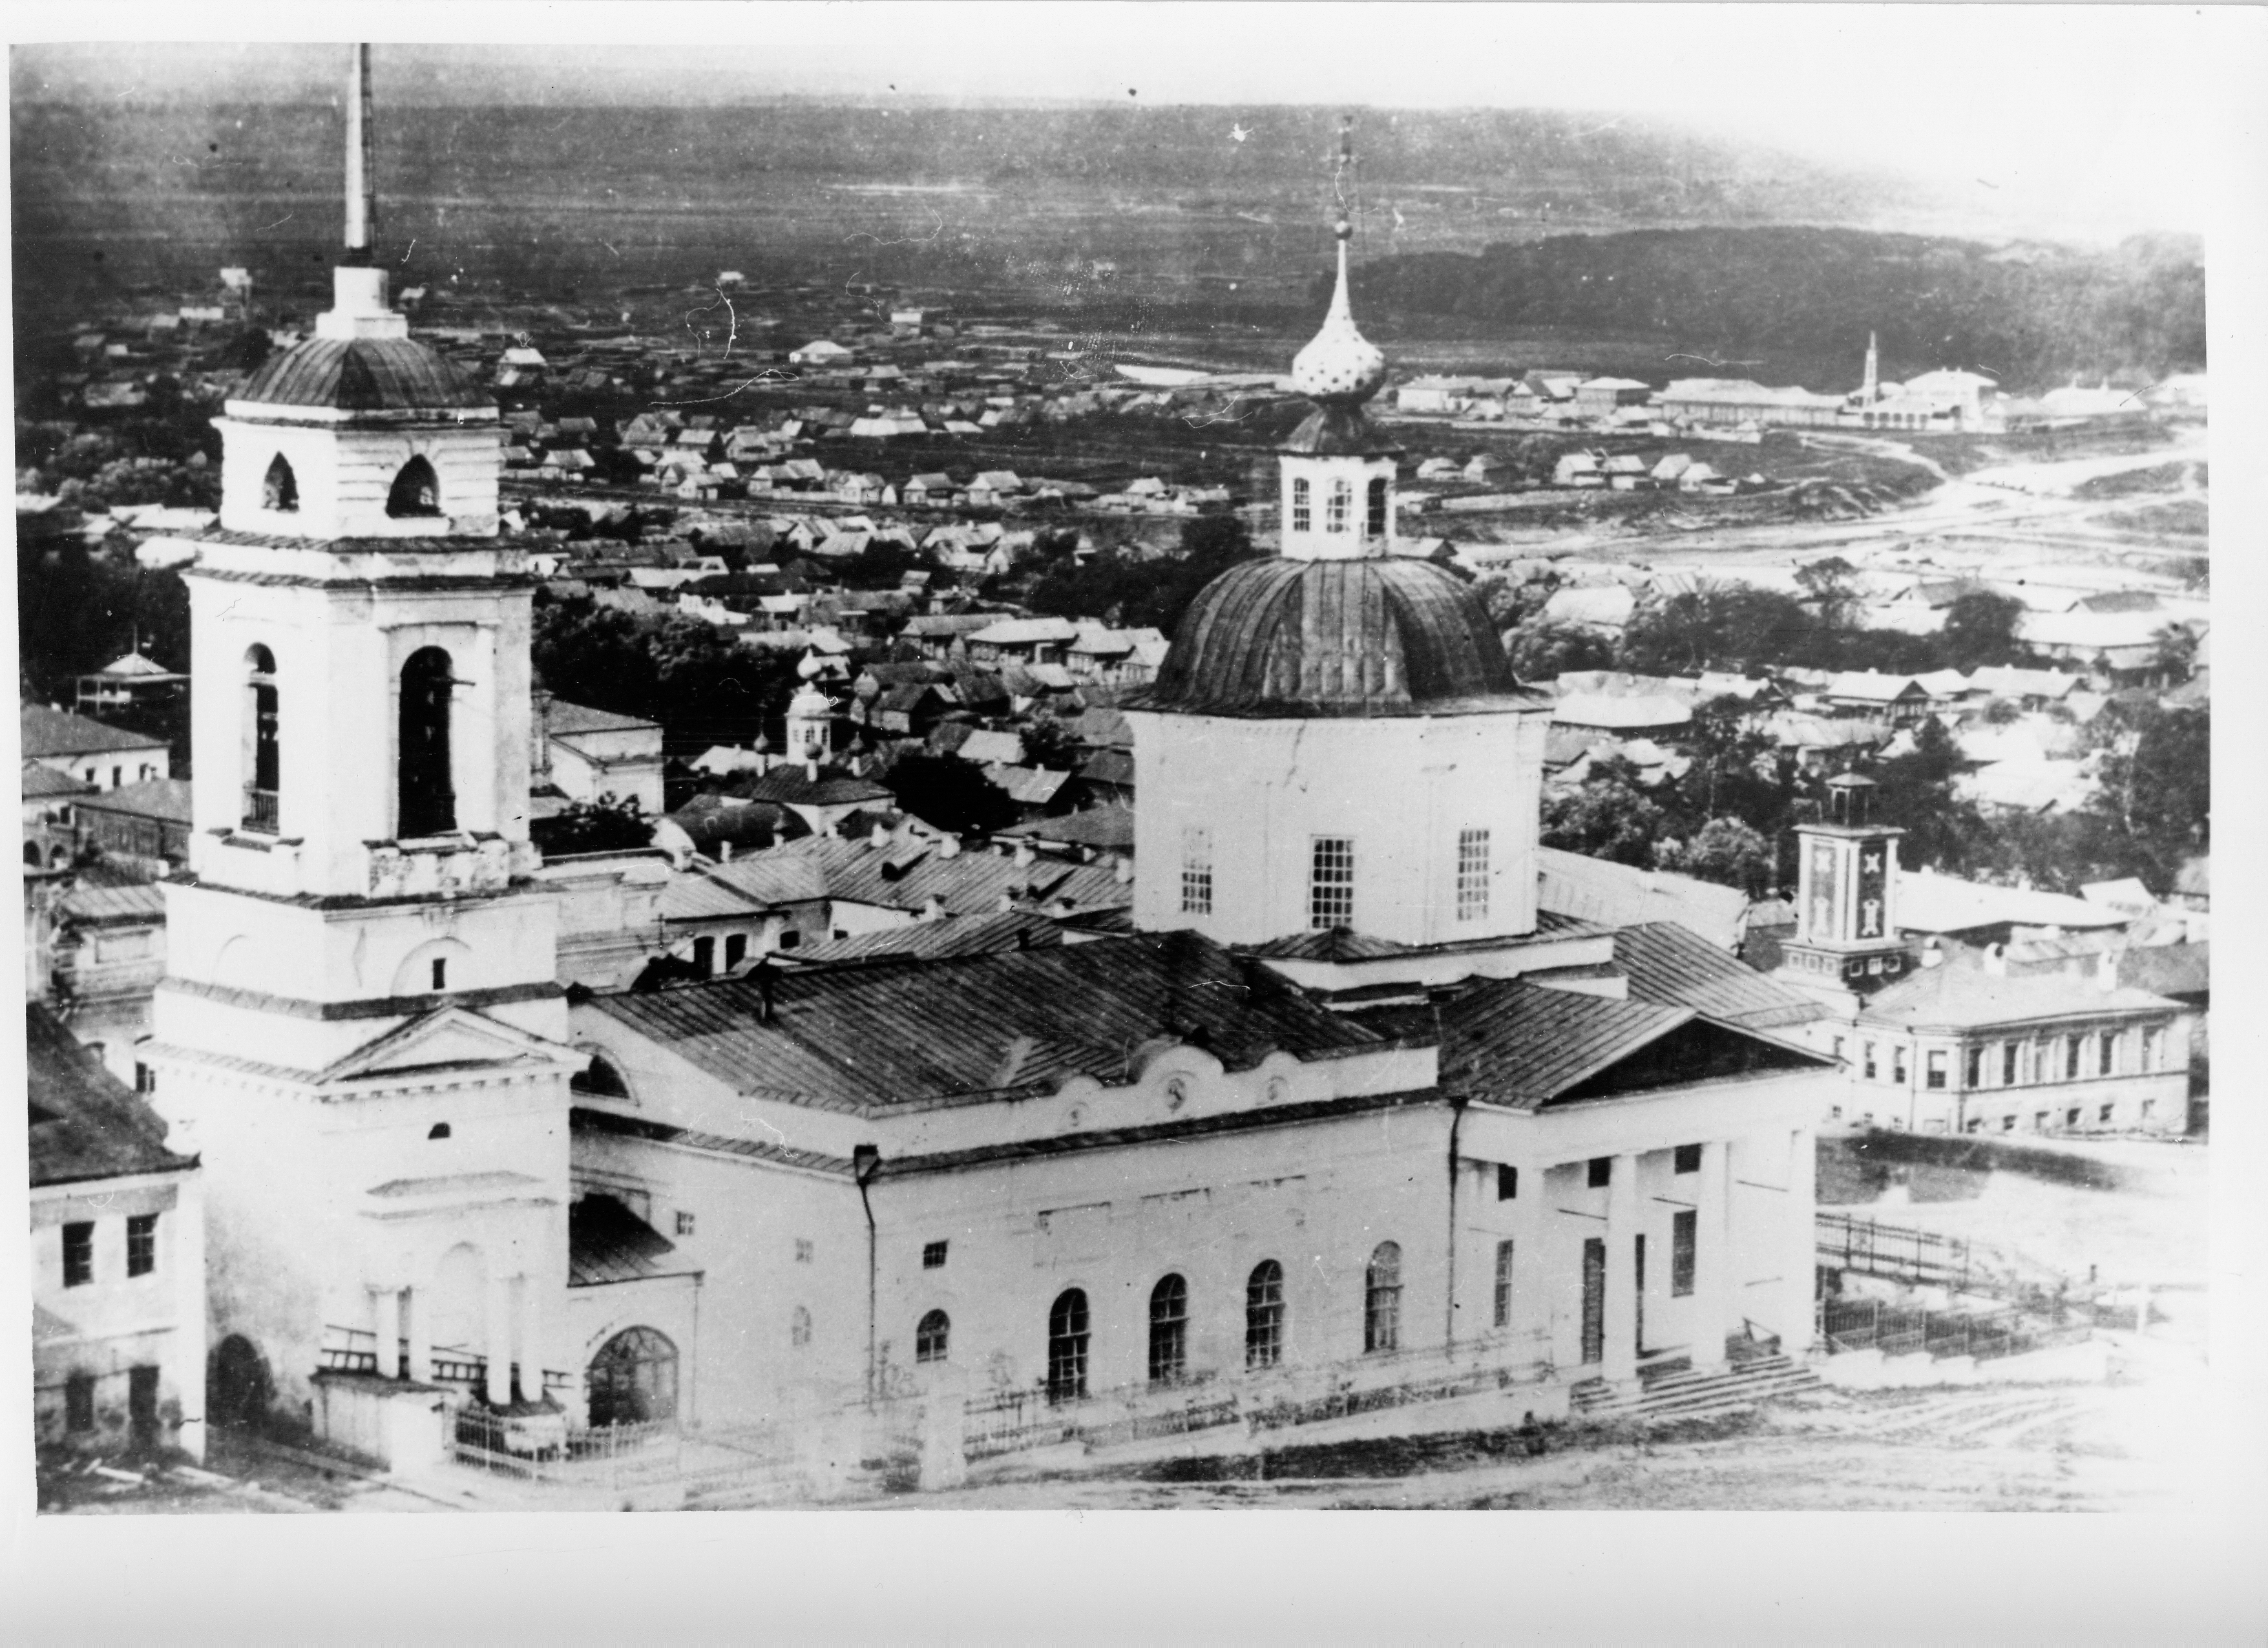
x=1846, y=935
x=1871, y=390
x=360, y=1025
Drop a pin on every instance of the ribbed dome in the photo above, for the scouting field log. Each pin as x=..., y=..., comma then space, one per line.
x=364, y=375
x=1374, y=636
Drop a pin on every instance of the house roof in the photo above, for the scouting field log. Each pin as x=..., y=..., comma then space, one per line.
x=1968, y=998
x=1621, y=894
x=606, y=1243
x=1515, y=1042
x=565, y=720
x=1667, y=964
x=42, y=783
x=790, y=786
x=936, y=940
x=2171, y=970
x=168, y=800
x=905, y=876
x=868, y=1039
x=1870, y=686
x=1928, y=902
x=121, y=902
x=86, y=1123
x=1107, y=829
x=49, y=733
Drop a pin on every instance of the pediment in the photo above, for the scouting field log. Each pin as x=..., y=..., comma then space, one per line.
x=447, y=1039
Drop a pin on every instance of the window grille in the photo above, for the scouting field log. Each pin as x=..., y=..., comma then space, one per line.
x=1263, y=1315
x=1330, y=883
x=1382, y=1300
x=2107, y=1057
x=933, y=1255
x=1067, y=1340
x=1302, y=510
x=1472, y=874
x=803, y=1250
x=1196, y=871
x=1503, y=1315
x=1933, y=1068
x=931, y=1336
x=1684, y=1231
x=684, y=1222
x=1335, y=509
x=799, y=1328
x=141, y=1243
x=1169, y=1330
x=78, y=1254
x=1375, y=517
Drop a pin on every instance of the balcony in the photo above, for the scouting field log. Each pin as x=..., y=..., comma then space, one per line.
x=260, y=811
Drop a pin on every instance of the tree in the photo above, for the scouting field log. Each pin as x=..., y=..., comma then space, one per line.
x=2156, y=782
x=2176, y=654
x=1719, y=628
x=1609, y=816
x=1980, y=629
x=1543, y=652
x=1828, y=582
x=950, y=794
x=1915, y=792
x=604, y=826
x=1727, y=852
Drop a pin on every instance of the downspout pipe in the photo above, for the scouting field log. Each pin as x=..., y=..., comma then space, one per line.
x=1456, y=1119
x=866, y=1162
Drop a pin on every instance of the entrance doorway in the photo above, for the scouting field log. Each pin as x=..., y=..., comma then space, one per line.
x=1595, y=1300
x=633, y=1379
x=237, y=1386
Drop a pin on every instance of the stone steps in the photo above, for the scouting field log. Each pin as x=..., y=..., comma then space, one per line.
x=1686, y=1395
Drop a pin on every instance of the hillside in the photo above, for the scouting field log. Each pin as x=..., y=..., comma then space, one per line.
x=1785, y=304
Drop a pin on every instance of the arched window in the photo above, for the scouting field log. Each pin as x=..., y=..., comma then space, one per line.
x=279, y=490
x=1373, y=522
x=1303, y=515
x=428, y=804
x=32, y=855
x=1263, y=1315
x=1334, y=512
x=1381, y=1299
x=601, y=1080
x=1067, y=1346
x=416, y=491
x=633, y=1379
x=439, y=1130
x=1169, y=1330
x=799, y=1328
x=262, y=733
x=932, y=1337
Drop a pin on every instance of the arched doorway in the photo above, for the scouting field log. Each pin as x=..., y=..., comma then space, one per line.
x=633, y=1379
x=238, y=1389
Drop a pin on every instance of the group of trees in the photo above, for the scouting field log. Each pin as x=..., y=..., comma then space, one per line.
x=1121, y=587
x=700, y=683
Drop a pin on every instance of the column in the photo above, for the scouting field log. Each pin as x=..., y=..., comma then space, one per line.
x=418, y=1306
x=497, y=1298
x=1712, y=1269
x=531, y=1359
x=1618, y=1362
x=385, y=1324
x=1797, y=1314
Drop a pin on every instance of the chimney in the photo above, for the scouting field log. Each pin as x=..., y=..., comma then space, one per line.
x=932, y=909
x=2106, y=969
x=1122, y=871
x=1996, y=960
x=949, y=846
x=881, y=837
x=1024, y=854
x=725, y=851
x=811, y=769
x=1007, y=901
x=766, y=976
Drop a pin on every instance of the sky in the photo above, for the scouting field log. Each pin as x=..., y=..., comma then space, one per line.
x=2102, y=116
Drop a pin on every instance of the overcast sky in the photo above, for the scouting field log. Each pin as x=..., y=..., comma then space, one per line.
x=2101, y=115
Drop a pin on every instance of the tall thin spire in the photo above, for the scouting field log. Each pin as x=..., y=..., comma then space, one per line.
x=1871, y=391
x=361, y=191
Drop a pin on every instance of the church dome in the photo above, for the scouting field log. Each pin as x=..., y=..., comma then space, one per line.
x=1340, y=637
x=364, y=375
x=1339, y=366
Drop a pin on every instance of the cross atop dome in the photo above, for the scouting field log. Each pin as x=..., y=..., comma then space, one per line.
x=358, y=306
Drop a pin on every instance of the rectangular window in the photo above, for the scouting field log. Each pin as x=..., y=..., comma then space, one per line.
x=1507, y=1182
x=1472, y=874
x=1303, y=517
x=2039, y=1121
x=736, y=950
x=1196, y=871
x=2106, y=1113
x=1933, y=1068
x=2106, y=1059
x=2149, y=1106
x=1684, y=1229
x=1686, y=1159
x=1335, y=510
x=1503, y=1316
x=1330, y=883
x=78, y=1254
x=2008, y=1124
x=2153, y=1047
x=142, y=1403
x=704, y=956
x=933, y=1255
x=1840, y=1056
x=440, y=973
x=1599, y=1171
x=141, y=1243
x=2070, y=1058
x=78, y=1402
x=2008, y=1064
x=802, y=1250
x=1374, y=520
x=1868, y=1049
x=1898, y=1063
x=145, y=1079
x=684, y=1222
x=1973, y=1074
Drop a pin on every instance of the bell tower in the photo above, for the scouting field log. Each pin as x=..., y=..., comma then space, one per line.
x=1846, y=935
x=360, y=1026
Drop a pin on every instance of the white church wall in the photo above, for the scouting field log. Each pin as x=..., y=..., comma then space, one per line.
x=344, y=476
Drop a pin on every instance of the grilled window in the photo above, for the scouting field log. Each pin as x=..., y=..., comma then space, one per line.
x=1375, y=517
x=1684, y=1229
x=78, y=1254
x=2106, y=1060
x=1169, y=1330
x=932, y=1337
x=1334, y=508
x=1472, y=874
x=1330, y=883
x=1196, y=871
x=933, y=1255
x=1381, y=1299
x=1933, y=1068
x=1263, y=1315
x=1303, y=517
x=799, y=1328
x=1503, y=1312
x=1067, y=1341
x=141, y=1243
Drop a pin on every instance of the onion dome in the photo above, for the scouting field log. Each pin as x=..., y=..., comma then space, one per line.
x=1339, y=366
x=364, y=375
x=809, y=704
x=1352, y=637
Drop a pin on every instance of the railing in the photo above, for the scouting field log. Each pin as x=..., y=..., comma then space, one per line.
x=355, y=1351
x=261, y=811
x=1894, y=1329
x=1896, y=1251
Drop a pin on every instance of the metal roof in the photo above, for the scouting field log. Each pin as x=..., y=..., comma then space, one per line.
x=363, y=374
x=1354, y=638
x=934, y=941
x=86, y=1123
x=872, y=1039
x=41, y=783
x=608, y=1243
x=168, y=800
x=1965, y=997
x=1672, y=967
x=905, y=876
x=119, y=903
x=1622, y=895
x=49, y=733
x=1515, y=1042
x=564, y=719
